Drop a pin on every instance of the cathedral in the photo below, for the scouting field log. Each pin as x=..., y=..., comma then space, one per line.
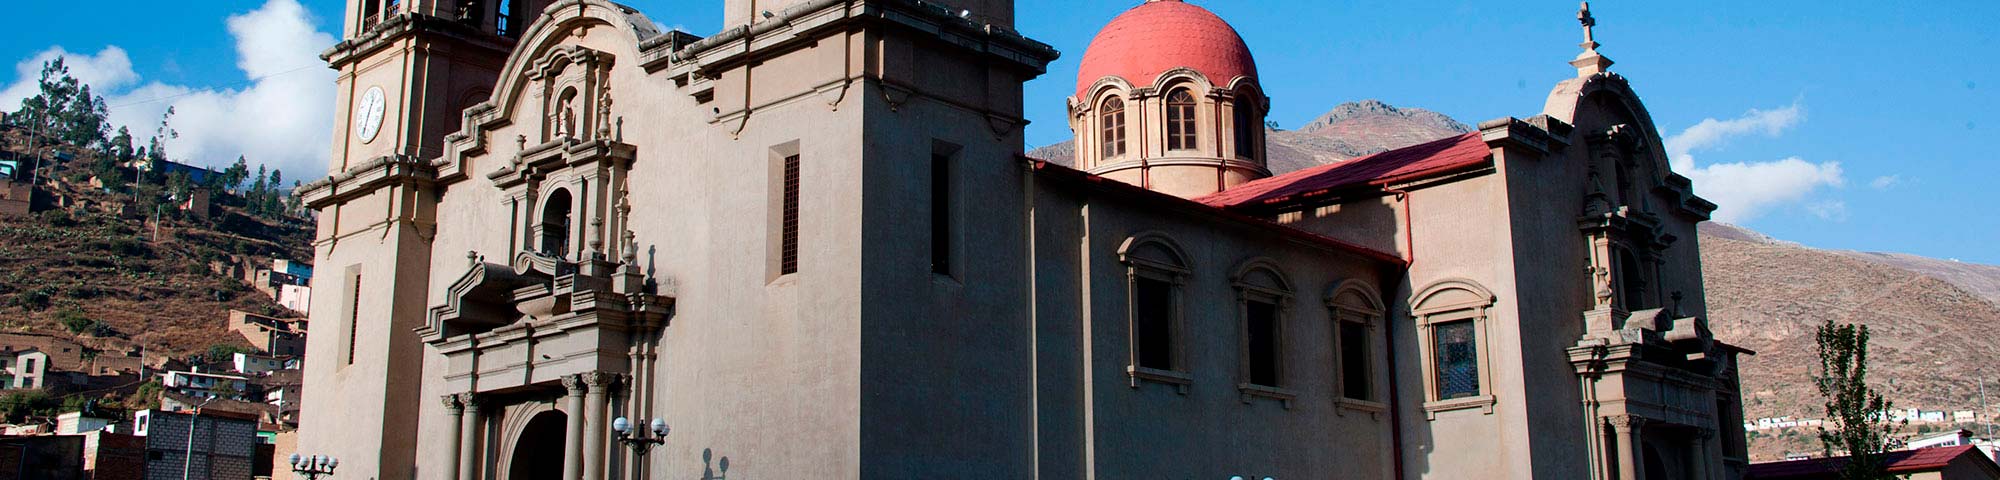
x=561, y=242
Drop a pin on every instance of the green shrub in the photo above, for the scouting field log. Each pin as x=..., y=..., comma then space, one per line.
x=36, y=299
x=75, y=321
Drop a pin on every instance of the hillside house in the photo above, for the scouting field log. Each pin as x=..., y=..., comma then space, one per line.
x=15, y=197
x=254, y=364
x=28, y=369
x=205, y=385
x=297, y=298
x=1941, y=439
x=271, y=335
x=57, y=364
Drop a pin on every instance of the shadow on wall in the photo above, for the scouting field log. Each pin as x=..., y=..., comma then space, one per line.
x=713, y=468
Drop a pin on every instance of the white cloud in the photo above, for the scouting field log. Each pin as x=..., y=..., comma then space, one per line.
x=1711, y=133
x=1885, y=182
x=280, y=114
x=1744, y=190
x=110, y=69
x=1834, y=210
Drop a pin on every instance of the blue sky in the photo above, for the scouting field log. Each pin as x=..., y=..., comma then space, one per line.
x=1839, y=124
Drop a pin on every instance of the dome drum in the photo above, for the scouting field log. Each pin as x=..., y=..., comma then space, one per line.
x=1167, y=99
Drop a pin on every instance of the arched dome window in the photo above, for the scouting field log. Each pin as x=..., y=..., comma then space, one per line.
x=1113, y=122
x=1246, y=127
x=1180, y=120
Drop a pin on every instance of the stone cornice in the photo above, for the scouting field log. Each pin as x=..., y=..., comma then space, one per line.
x=748, y=43
x=395, y=27
x=366, y=178
x=1510, y=132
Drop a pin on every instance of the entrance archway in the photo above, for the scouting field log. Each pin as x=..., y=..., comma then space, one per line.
x=538, y=454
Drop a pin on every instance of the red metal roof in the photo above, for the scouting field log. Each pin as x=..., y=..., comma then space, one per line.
x=1408, y=163
x=1162, y=35
x=1907, y=461
x=1114, y=187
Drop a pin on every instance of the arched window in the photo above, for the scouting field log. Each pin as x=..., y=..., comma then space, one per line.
x=1246, y=127
x=1113, y=121
x=555, y=224
x=1356, y=312
x=1631, y=281
x=1262, y=297
x=1451, y=319
x=1180, y=120
x=1155, y=271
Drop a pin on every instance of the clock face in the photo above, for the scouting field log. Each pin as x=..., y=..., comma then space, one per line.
x=368, y=114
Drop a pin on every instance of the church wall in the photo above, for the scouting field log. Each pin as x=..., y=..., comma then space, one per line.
x=1213, y=430
x=757, y=368
x=1546, y=193
x=372, y=391
x=1458, y=230
x=950, y=349
x=947, y=356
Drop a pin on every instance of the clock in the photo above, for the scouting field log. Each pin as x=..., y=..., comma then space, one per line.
x=368, y=114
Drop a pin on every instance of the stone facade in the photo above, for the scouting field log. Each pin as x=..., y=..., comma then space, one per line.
x=810, y=243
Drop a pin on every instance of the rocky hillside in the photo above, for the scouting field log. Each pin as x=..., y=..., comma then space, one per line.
x=96, y=265
x=1350, y=130
x=1927, y=349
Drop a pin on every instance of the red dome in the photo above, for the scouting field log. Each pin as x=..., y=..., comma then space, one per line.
x=1162, y=35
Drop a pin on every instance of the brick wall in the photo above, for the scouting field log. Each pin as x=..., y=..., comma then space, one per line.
x=112, y=456
x=223, y=447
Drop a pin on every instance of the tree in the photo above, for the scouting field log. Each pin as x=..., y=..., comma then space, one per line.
x=1858, y=414
x=63, y=108
x=232, y=177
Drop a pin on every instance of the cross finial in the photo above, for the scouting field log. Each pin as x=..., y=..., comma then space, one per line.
x=1589, y=22
x=1589, y=62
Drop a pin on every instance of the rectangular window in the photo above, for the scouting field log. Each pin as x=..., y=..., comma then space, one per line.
x=28, y=366
x=353, y=318
x=941, y=214
x=1457, y=359
x=1152, y=323
x=788, y=243
x=1262, y=330
x=1354, y=361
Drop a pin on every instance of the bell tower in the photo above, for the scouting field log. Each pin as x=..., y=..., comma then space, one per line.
x=408, y=70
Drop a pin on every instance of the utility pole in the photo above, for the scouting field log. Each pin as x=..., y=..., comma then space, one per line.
x=1982, y=407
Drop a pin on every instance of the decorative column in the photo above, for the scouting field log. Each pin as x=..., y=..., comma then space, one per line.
x=573, y=442
x=468, y=459
x=1626, y=428
x=456, y=412
x=594, y=424
x=1706, y=469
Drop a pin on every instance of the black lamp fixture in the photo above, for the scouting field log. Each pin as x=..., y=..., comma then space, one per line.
x=313, y=466
x=640, y=441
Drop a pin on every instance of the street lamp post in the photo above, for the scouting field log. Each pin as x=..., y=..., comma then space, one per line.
x=313, y=466
x=639, y=441
x=187, y=458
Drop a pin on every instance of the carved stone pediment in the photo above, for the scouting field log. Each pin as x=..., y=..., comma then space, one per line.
x=481, y=299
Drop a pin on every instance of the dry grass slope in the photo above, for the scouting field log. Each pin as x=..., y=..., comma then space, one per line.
x=1928, y=349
